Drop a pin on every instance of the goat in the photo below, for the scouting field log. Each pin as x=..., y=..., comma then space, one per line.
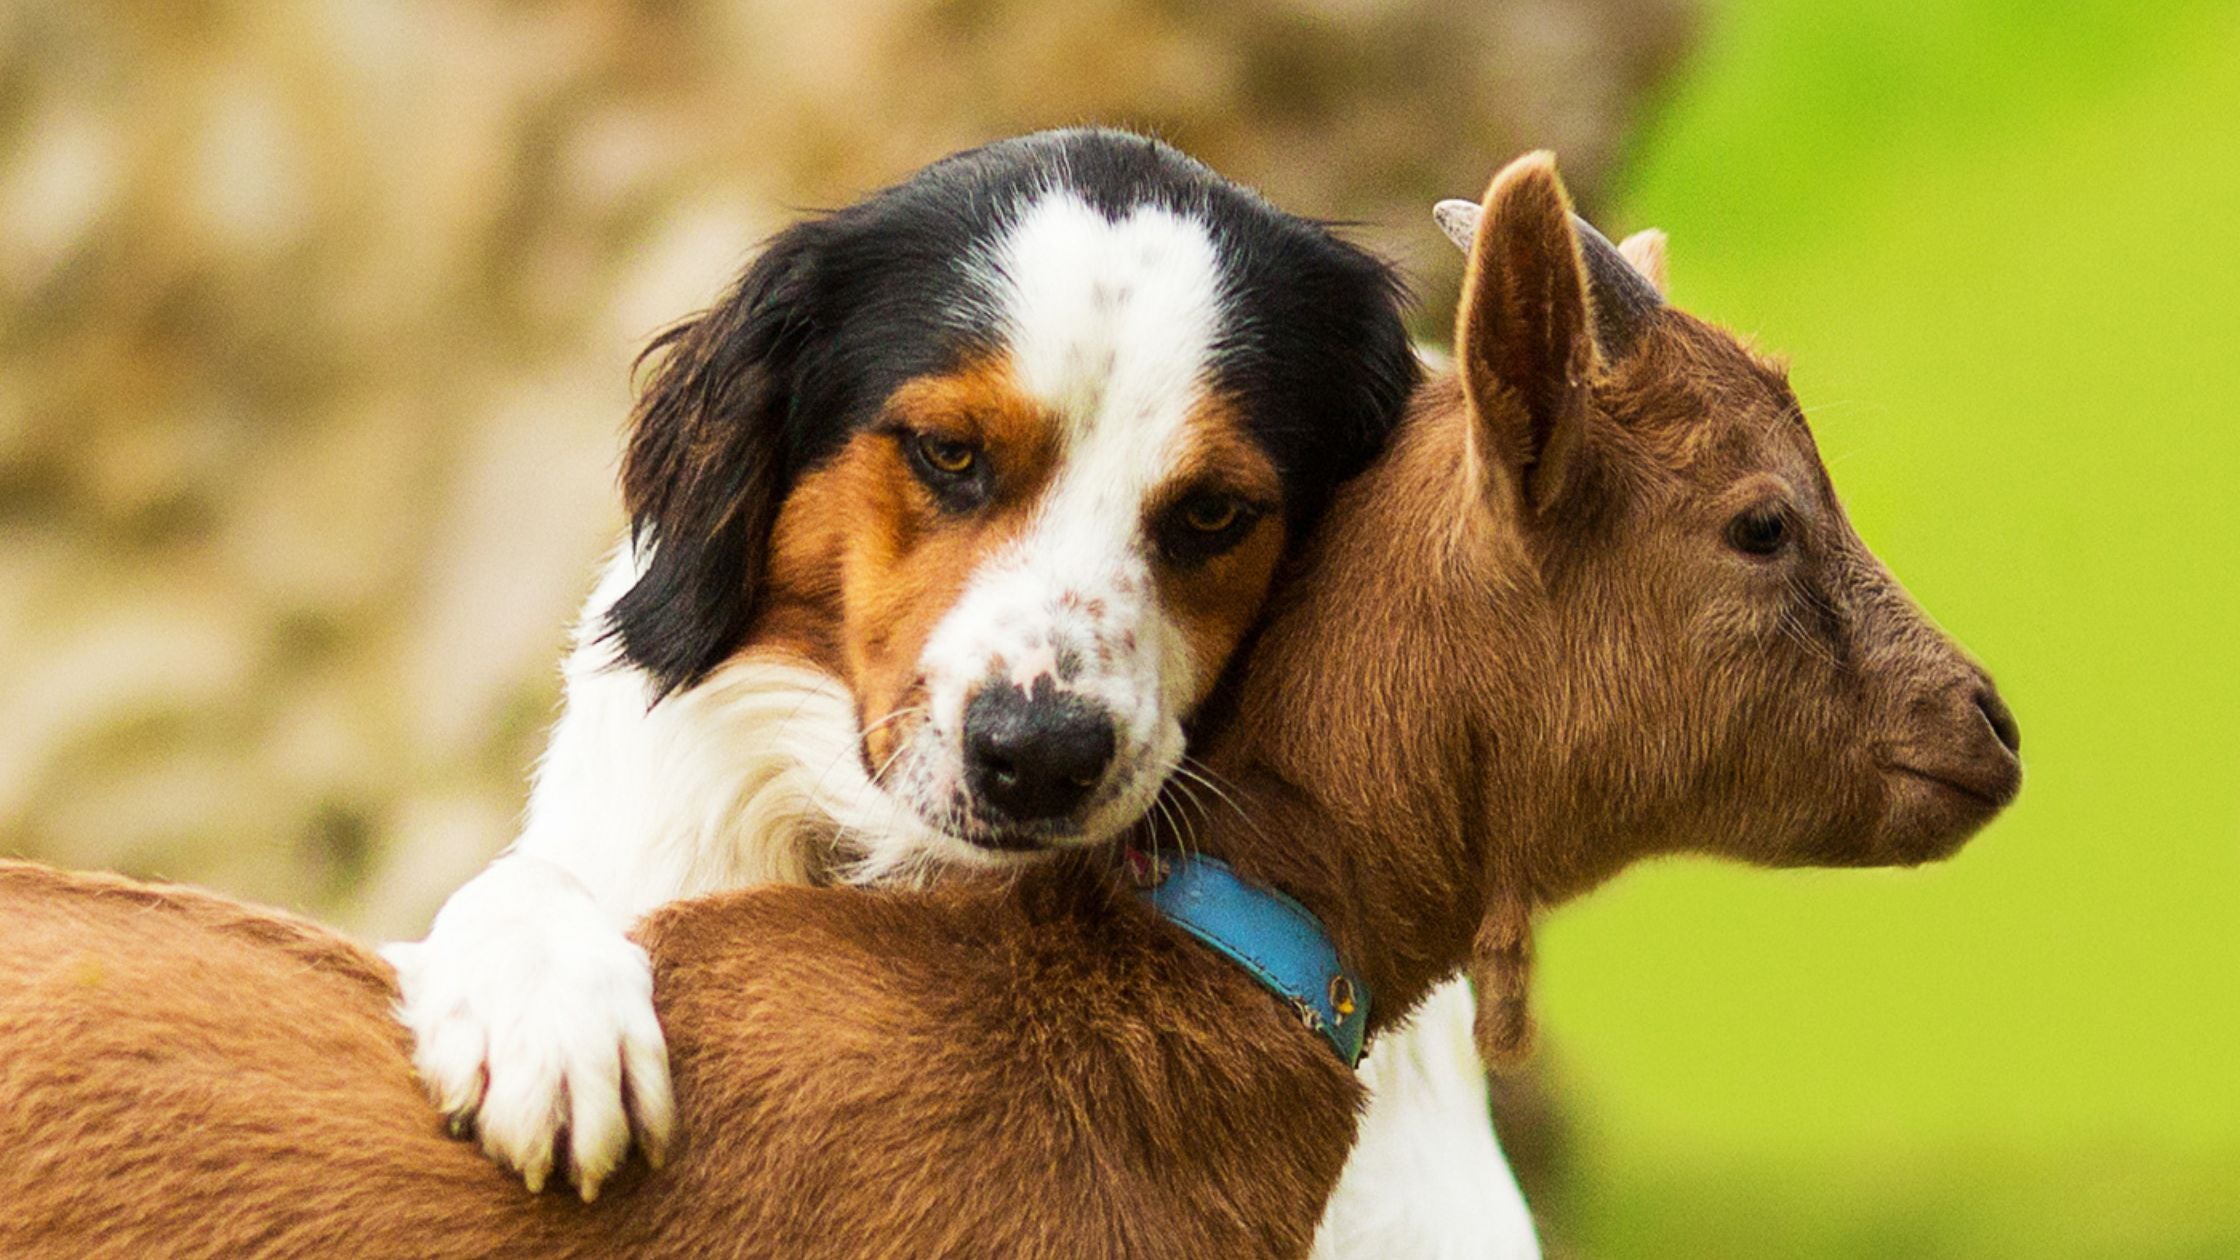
x=1596, y=602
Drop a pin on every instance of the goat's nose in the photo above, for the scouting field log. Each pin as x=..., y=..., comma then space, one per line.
x=1035, y=757
x=2002, y=721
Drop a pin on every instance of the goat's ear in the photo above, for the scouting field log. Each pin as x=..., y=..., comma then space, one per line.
x=702, y=475
x=1646, y=249
x=1501, y=972
x=1524, y=338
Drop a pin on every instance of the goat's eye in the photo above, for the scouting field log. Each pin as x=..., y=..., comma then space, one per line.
x=947, y=455
x=1761, y=531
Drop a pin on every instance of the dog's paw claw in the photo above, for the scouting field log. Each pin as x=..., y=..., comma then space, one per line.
x=534, y=1025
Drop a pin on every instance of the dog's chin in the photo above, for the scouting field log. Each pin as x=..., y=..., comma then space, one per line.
x=912, y=848
x=990, y=845
x=1004, y=847
x=997, y=844
x=925, y=831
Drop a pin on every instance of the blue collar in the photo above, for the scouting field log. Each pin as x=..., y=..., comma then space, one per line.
x=1268, y=934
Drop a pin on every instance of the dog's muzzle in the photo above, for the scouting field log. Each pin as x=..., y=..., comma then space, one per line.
x=1035, y=757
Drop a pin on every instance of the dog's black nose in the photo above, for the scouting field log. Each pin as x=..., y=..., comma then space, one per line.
x=1032, y=757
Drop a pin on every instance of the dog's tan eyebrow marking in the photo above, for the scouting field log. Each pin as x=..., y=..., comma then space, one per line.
x=982, y=402
x=1215, y=451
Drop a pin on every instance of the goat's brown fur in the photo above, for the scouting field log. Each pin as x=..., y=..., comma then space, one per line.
x=1522, y=655
x=928, y=1074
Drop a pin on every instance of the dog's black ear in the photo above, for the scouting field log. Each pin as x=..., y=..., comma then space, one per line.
x=703, y=474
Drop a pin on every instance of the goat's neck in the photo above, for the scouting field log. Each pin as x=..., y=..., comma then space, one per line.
x=1396, y=776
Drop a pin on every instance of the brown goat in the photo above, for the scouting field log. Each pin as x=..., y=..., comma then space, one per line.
x=1597, y=602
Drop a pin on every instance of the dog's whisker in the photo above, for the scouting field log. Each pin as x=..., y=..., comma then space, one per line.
x=1168, y=817
x=872, y=865
x=1190, y=842
x=908, y=711
x=1186, y=829
x=1198, y=772
x=877, y=778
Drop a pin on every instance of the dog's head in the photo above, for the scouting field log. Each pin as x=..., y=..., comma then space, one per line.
x=1015, y=449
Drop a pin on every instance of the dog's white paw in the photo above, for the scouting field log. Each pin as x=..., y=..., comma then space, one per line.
x=531, y=1015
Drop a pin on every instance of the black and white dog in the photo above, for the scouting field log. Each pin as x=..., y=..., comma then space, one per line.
x=946, y=520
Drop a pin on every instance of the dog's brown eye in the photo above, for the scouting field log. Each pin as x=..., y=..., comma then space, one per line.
x=1761, y=531
x=955, y=472
x=1204, y=526
x=947, y=455
x=1211, y=513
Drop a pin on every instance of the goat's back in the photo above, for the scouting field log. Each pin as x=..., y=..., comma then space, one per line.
x=168, y=1057
x=1032, y=1068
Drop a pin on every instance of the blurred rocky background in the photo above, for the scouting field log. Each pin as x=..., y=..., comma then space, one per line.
x=316, y=322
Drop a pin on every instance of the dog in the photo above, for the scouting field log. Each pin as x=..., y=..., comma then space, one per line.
x=946, y=522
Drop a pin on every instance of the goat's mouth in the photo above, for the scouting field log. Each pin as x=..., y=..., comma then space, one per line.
x=1936, y=805
x=1992, y=789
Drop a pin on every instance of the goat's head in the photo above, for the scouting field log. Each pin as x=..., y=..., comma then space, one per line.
x=1738, y=673
x=1601, y=602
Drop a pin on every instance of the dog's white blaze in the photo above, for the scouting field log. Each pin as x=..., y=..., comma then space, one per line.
x=1109, y=323
x=1111, y=326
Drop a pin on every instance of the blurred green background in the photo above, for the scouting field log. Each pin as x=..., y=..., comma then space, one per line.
x=1998, y=241
x=314, y=330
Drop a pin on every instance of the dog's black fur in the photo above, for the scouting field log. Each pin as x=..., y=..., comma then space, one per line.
x=839, y=310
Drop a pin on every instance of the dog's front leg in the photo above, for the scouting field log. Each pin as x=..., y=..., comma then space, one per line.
x=532, y=1012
